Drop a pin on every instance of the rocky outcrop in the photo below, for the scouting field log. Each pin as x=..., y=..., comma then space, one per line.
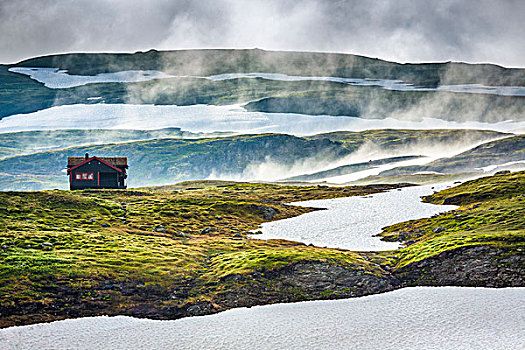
x=303, y=281
x=475, y=266
x=480, y=266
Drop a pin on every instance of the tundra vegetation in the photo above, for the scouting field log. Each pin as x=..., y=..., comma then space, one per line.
x=174, y=251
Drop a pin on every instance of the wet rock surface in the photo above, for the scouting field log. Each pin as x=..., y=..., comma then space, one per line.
x=475, y=266
x=303, y=281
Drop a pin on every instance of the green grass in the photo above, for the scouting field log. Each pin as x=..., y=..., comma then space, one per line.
x=491, y=212
x=61, y=248
x=57, y=243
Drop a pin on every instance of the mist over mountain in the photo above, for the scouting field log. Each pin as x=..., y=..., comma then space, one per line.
x=200, y=93
x=284, y=82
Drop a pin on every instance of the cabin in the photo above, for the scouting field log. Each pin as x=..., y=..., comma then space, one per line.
x=97, y=172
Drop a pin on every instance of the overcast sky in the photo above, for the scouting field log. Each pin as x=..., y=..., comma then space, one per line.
x=399, y=30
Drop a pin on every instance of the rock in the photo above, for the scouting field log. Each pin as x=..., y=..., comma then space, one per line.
x=267, y=213
x=226, y=192
x=502, y=172
x=105, y=225
x=438, y=230
x=206, y=230
x=160, y=228
x=92, y=220
x=4, y=247
x=47, y=246
x=345, y=190
x=237, y=235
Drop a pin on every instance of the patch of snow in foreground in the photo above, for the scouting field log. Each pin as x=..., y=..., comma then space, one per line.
x=353, y=222
x=209, y=118
x=55, y=78
x=422, y=318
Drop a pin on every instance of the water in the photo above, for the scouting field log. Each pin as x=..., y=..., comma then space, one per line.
x=352, y=223
x=207, y=118
x=411, y=318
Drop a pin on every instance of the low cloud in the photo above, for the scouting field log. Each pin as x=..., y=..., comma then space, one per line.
x=399, y=30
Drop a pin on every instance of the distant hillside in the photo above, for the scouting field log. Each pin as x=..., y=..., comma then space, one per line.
x=165, y=161
x=21, y=94
x=395, y=138
x=26, y=142
x=497, y=152
x=210, y=62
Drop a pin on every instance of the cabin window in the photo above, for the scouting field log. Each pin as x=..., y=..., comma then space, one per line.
x=85, y=176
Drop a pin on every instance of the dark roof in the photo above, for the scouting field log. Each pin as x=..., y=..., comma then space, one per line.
x=84, y=161
x=114, y=161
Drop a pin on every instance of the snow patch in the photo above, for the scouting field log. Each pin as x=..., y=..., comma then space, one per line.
x=56, y=78
x=209, y=118
x=387, y=84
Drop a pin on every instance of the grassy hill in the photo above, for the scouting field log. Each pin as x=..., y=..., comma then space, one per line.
x=484, y=237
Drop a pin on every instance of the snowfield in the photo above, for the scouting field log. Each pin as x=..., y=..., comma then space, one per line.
x=209, y=118
x=411, y=318
x=56, y=78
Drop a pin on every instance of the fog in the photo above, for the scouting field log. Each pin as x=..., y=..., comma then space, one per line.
x=274, y=170
x=398, y=30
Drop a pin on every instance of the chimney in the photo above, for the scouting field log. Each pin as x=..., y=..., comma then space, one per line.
x=87, y=155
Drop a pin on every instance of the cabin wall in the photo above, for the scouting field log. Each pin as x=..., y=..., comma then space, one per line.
x=103, y=176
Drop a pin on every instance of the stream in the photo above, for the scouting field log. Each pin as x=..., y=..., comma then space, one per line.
x=353, y=222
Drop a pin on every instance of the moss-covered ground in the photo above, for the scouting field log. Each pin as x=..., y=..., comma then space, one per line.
x=59, y=247
x=491, y=212
x=174, y=251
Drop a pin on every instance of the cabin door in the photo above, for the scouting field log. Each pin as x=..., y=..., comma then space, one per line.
x=108, y=180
